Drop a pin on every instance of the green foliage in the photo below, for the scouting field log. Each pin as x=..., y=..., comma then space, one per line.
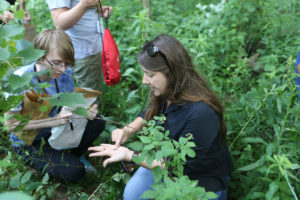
x=245, y=49
x=40, y=14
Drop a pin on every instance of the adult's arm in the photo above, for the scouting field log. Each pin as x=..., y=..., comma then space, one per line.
x=122, y=135
x=65, y=18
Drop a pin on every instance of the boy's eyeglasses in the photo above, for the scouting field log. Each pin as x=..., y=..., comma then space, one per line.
x=56, y=65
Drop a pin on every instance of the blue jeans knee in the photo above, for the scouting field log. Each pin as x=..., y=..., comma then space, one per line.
x=140, y=182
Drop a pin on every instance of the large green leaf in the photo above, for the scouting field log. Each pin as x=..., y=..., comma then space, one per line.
x=11, y=30
x=4, y=5
x=30, y=54
x=16, y=81
x=67, y=99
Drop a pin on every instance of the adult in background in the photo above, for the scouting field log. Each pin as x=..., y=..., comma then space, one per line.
x=190, y=107
x=61, y=164
x=81, y=21
x=298, y=72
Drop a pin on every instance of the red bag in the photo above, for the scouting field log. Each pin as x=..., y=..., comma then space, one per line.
x=110, y=59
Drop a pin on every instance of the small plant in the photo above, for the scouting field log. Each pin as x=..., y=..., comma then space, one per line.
x=170, y=183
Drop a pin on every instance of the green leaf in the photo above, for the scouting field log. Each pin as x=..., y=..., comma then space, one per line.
x=134, y=109
x=149, y=194
x=16, y=81
x=191, y=153
x=30, y=54
x=15, y=181
x=270, y=149
x=252, y=166
x=272, y=189
x=211, y=195
x=45, y=108
x=279, y=105
x=11, y=30
x=157, y=174
x=81, y=111
x=168, y=152
x=137, y=146
x=15, y=195
x=4, y=5
x=45, y=179
x=26, y=177
x=138, y=159
x=254, y=140
x=3, y=68
x=4, y=163
x=67, y=99
x=145, y=139
x=148, y=147
x=117, y=177
x=4, y=54
x=19, y=14
x=31, y=186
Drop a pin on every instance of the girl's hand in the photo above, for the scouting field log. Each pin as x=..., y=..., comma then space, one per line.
x=114, y=153
x=119, y=136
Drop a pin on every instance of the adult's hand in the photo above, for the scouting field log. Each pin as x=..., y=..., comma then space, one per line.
x=106, y=11
x=114, y=153
x=118, y=136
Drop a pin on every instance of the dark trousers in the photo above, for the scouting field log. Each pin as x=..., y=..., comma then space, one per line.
x=61, y=164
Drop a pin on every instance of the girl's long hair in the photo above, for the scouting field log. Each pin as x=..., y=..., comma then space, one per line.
x=184, y=84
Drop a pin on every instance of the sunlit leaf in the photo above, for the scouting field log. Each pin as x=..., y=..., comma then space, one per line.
x=67, y=99
x=19, y=14
x=4, y=54
x=16, y=81
x=15, y=195
x=30, y=54
x=11, y=30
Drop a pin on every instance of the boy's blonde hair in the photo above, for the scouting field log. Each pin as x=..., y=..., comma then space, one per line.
x=50, y=39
